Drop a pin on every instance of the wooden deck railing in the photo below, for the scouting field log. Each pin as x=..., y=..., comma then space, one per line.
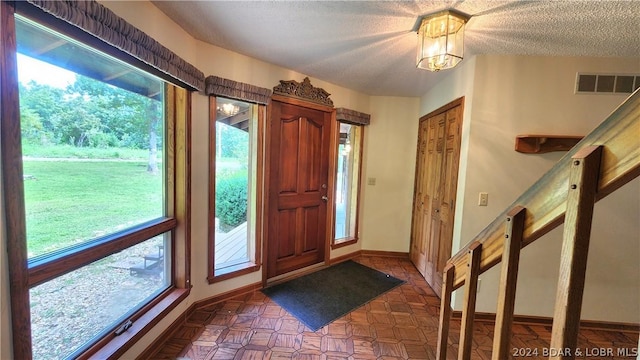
x=602, y=162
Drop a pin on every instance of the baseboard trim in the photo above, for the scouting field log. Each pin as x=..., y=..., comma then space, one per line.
x=548, y=321
x=394, y=254
x=346, y=257
x=227, y=295
x=182, y=319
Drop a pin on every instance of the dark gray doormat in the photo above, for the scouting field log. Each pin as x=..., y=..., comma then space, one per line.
x=326, y=295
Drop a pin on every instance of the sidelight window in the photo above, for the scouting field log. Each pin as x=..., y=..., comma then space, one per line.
x=233, y=201
x=348, y=183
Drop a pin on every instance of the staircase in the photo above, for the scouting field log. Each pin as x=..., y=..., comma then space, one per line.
x=602, y=162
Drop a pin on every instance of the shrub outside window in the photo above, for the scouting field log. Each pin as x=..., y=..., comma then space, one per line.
x=235, y=158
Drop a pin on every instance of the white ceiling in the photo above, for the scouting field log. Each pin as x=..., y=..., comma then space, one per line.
x=370, y=46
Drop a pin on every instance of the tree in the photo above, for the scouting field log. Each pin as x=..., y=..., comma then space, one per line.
x=91, y=113
x=44, y=100
x=31, y=125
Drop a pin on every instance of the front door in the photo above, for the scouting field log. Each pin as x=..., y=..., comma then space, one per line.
x=299, y=142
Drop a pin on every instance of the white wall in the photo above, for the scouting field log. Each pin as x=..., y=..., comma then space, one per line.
x=390, y=157
x=527, y=95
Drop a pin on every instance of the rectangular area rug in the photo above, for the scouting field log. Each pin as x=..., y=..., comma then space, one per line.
x=321, y=297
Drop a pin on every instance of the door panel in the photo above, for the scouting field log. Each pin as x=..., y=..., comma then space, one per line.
x=288, y=165
x=311, y=229
x=286, y=233
x=418, y=241
x=434, y=199
x=434, y=191
x=299, y=174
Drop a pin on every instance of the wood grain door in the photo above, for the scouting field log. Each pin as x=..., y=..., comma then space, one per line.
x=298, y=187
x=421, y=205
x=435, y=193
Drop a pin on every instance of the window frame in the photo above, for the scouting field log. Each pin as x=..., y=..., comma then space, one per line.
x=177, y=197
x=248, y=266
x=349, y=240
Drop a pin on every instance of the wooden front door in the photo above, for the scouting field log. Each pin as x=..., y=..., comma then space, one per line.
x=435, y=191
x=298, y=186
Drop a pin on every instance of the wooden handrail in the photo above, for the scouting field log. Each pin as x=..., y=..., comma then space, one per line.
x=546, y=200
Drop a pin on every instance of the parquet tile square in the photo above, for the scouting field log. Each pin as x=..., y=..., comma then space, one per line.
x=390, y=349
x=337, y=345
x=261, y=338
x=408, y=334
x=401, y=324
x=362, y=330
x=311, y=341
x=337, y=329
x=242, y=321
x=289, y=326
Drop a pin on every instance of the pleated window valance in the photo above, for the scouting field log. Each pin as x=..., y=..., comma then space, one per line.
x=104, y=24
x=217, y=86
x=352, y=116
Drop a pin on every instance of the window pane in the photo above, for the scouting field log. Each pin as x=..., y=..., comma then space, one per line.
x=347, y=182
x=234, y=182
x=93, y=152
x=71, y=310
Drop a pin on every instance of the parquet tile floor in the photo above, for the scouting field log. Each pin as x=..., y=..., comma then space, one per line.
x=401, y=324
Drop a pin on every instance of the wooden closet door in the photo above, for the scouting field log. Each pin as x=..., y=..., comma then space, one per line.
x=435, y=192
x=449, y=186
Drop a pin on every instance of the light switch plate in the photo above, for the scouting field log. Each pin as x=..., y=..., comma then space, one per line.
x=371, y=181
x=483, y=199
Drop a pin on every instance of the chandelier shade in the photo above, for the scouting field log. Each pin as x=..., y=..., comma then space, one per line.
x=441, y=40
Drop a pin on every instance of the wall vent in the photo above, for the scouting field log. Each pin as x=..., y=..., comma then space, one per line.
x=607, y=83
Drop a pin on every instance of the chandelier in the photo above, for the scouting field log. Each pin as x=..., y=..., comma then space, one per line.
x=441, y=40
x=229, y=109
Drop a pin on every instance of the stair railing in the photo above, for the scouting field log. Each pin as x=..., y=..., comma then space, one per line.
x=602, y=162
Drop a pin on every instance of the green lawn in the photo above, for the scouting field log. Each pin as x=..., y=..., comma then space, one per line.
x=69, y=151
x=68, y=202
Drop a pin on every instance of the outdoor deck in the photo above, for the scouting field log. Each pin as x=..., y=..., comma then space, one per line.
x=231, y=247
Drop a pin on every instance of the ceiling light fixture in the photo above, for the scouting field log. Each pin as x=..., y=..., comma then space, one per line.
x=229, y=109
x=441, y=40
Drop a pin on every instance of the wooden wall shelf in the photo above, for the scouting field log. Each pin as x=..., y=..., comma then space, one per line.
x=539, y=144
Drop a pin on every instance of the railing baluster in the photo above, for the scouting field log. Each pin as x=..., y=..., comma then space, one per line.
x=583, y=183
x=445, y=311
x=514, y=229
x=469, y=306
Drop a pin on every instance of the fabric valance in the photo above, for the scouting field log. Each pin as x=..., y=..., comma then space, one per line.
x=99, y=21
x=217, y=86
x=352, y=116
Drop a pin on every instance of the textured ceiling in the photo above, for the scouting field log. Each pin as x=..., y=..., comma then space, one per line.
x=370, y=46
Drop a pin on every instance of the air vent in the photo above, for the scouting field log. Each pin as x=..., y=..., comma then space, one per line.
x=607, y=84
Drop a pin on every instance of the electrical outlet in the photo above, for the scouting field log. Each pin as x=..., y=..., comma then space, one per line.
x=483, y=199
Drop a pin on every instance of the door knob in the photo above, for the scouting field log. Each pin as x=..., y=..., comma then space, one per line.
x=325, y=198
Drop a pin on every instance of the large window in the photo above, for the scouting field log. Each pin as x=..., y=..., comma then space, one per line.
x=348, y=183
x=235, y=157
x=97, y=138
